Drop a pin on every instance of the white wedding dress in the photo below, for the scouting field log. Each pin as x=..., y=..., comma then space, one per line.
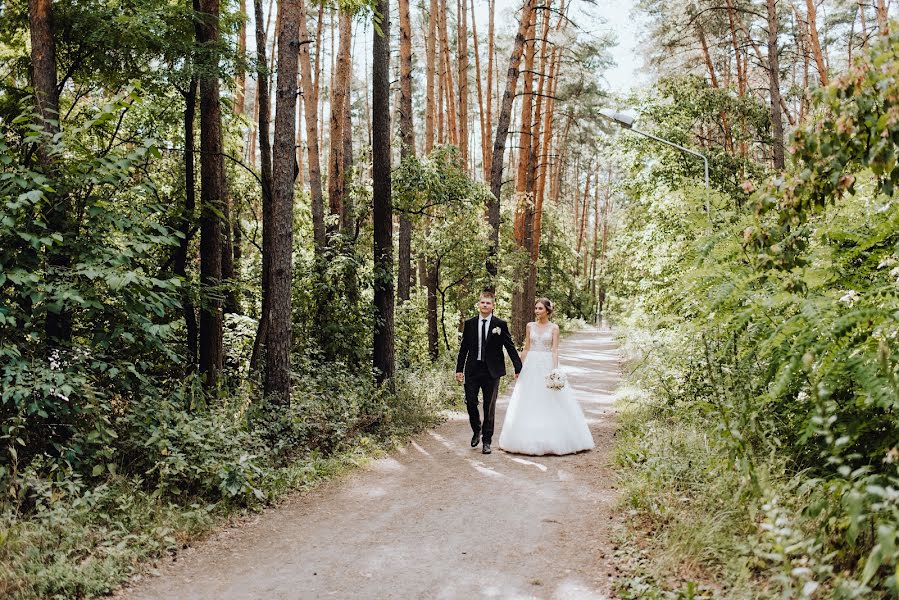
x=540, y=420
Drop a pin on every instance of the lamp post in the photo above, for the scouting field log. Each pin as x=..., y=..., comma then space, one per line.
x=627, y=122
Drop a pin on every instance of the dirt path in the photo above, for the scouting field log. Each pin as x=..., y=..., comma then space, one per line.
x=435, y=519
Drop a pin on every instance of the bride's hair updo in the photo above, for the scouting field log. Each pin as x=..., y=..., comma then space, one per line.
x=547, y=304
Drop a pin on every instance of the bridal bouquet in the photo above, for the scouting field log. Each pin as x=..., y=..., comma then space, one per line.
x=556, y=379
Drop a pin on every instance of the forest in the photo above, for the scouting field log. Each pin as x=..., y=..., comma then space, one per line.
x=238, y=241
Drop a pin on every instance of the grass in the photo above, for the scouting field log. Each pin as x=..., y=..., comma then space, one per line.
x=685, y=507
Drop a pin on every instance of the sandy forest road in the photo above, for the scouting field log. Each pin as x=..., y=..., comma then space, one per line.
x=435, y=519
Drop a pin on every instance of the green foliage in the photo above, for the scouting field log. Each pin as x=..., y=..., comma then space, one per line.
x=782, y=365
x=683, y=104
x=855, y=130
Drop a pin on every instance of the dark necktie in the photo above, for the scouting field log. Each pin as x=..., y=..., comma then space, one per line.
x=483, y=338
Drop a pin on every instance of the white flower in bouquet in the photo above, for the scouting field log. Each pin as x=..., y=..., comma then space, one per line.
x=556, y=379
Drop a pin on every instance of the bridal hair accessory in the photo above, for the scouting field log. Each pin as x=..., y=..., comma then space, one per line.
x=556, y=379
x=495, y=330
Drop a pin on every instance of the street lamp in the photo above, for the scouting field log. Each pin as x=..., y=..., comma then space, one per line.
x=627, y=122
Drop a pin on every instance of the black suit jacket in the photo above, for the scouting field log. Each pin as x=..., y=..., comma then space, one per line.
x=493, y=348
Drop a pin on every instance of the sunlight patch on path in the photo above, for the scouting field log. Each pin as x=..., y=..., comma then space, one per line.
x=529, y=462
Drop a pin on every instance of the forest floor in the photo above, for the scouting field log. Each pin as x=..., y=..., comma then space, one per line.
x=433, y=519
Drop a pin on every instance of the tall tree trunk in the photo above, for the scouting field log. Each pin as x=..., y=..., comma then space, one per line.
x=310, y=104
x=58, y=326
x=240, y=82
x=437, y=10
x=488, y=120
x=347, y=215
x=430, y=77
x=339, y=90
x=187, y=222
x=864, y=23
x=232, y=303
x=433, y=333
x=212, y=198
x=502, y=131
x=277, y=361
x=700, y=33
x=538, y=167
x=777, y=128
x=883, y=17
x=462, y=45
x=579, y=216
x=763, y=60
x=813, y=38
x=451, y=124
x=265, y=159
x=407, y=133
x=485, y=132
x=382, y=213
x=523, y=193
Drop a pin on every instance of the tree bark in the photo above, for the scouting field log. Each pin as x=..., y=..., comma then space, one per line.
x=437, y=10
x=313, y=158
x=265, y=159
x=382, y=213
x=430, y=77
x=347, y=215
x=451, y=124
x=502, y=132
x=816, y=43
x=777, y=130
x=523, y=188
x=58, y=326
x=277, y=361
x=462, y=46
x=241, y=79
x=488, y=120
x=339, y=91
x=485, y=131
x=212, y=199
x=883, y=17
x=407, y=134
x=187, y=222
x=433, y=333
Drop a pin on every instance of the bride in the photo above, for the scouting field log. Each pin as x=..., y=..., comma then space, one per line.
x=541, y=420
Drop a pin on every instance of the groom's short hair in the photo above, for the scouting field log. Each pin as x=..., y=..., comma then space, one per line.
x=488, y=294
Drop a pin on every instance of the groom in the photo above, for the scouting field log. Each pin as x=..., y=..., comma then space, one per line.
x=481, y=357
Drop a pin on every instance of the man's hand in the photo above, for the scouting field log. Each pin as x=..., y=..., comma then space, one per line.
x=459, y=377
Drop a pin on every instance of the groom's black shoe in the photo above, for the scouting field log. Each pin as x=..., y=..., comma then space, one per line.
x=475, y=439
x=486, y=449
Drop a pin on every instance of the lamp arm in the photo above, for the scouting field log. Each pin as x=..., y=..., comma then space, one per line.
x=705, y=160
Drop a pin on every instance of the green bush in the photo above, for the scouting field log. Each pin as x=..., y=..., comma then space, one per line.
x=770, y=341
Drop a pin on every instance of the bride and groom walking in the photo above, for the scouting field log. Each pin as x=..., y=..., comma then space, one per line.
x=540, y=419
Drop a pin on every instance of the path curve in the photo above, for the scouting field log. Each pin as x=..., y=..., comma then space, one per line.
x=434, y=519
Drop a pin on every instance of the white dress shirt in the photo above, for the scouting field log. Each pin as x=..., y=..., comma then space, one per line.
x=480, y=326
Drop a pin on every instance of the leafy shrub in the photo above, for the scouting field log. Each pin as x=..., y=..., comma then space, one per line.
x=775, y=337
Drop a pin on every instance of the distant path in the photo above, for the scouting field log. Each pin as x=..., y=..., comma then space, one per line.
x=435, y=519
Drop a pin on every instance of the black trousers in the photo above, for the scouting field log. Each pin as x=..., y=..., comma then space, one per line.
x=478, y=379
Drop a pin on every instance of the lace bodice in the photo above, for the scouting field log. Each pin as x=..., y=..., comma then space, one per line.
x=541, y=338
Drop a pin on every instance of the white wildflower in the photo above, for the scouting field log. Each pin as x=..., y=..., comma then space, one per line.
x=889, y=261
x=850, y=297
